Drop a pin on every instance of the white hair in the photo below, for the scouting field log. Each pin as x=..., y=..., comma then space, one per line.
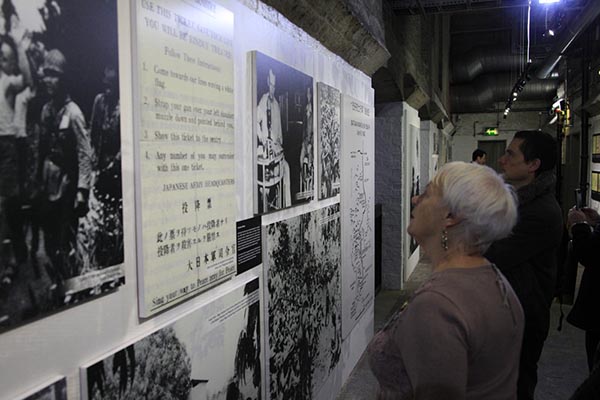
x=478, y=197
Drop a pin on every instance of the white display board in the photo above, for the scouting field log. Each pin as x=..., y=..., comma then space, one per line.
x=211, y=353
x=358, y=210
x=185, y=150
x=78, y=335
x=412, y=182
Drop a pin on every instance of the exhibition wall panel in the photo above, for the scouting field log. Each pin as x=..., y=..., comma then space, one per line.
x=411, y=126
x=58, y=345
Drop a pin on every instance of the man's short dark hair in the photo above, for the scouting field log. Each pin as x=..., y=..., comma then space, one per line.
x=477, y=153
x=540, y=145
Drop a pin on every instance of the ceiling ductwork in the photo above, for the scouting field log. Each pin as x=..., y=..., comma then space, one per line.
x=488, y=89
x=570, y=33
x=482, y=60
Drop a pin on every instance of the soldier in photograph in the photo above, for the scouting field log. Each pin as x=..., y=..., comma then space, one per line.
x=67, y=167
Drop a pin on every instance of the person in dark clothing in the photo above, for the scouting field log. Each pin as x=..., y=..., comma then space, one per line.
x=528, y=256
x=479, y=157
x=66, y=154
x=586, y=242
x=590, y=388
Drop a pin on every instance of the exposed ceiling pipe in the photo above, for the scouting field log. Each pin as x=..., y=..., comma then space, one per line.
x=570, y=33
x=481, y=94
x=481, y=60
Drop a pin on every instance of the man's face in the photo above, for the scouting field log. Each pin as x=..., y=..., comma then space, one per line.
x=516, y=169
x=8, y=61
x=481, y=160
x=271, y=88
x=52, y=81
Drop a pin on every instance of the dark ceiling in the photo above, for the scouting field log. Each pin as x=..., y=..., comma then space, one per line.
x=455, y=6
x=488, y=47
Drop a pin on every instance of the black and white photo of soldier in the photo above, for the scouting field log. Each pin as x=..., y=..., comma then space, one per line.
x=61, y=233
x=330, y=131
x=283, y=129
x=304, y=303
x=54, y=391
x=188, y=360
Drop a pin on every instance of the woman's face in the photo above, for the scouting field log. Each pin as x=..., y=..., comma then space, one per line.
x=428, y=217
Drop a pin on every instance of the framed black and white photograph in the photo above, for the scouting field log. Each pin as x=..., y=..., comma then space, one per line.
x=283, y=134
x=61, y=224
x=329, y=136
x=304, y=303
x=595, y=186
x=415, y=174
x=55, y=390
x=211, y=353
x=596, y=148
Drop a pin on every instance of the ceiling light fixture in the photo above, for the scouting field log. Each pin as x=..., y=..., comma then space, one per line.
x=549, y=1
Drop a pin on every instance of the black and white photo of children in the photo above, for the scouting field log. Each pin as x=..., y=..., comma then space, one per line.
x=61, y=233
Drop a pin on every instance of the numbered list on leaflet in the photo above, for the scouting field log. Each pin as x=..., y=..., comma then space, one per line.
x=186, y=188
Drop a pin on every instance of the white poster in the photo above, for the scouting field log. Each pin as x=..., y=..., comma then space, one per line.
x=358, y=210
x=411, y=184
x=212, y=353
x=185, y=152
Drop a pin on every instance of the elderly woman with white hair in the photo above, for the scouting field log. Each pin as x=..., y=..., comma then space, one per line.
x=460, y=335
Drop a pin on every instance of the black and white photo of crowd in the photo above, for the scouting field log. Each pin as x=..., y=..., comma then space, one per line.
x=54, y=391
x=283, y=129
x=190, y=360
x=330, y=133
x=304, y=303
x=61, y=233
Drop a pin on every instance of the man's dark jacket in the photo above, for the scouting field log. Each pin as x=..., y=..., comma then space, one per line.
x=585, y=313
x=528, y=259
x=528, y=256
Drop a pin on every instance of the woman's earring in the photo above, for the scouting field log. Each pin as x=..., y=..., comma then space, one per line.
x=445, y=240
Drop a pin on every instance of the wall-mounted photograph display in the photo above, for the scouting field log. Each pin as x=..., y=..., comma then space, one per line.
x=283, y=134
x=412, y=141
x=303, y=302
x=358, y=208
x=329, y=133
x=211, y=353
x=596, y=148
x=55, y=390
x=61, y=225
x=596, y=185
x=185, y=174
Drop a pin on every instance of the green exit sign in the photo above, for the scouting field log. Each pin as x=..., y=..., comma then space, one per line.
x=491, y=132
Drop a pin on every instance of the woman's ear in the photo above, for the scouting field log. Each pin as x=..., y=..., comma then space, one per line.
x=451, y=220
